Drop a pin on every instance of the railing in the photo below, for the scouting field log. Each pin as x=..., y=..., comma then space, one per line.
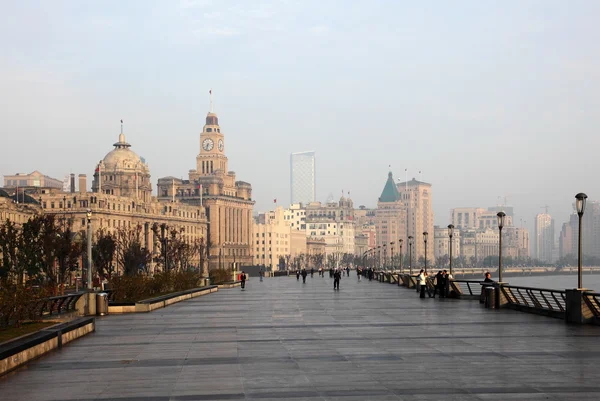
x=537, y=300
x=57, y=305
x=469, y=287
x=592, y=300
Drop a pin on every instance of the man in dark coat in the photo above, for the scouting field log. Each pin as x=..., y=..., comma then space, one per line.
x=439, y=284
x=243, y=279
x=337, y=275
x=304, y=274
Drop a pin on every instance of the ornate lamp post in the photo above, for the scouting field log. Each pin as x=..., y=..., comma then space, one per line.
x=425, y=235
x=410, y=244
x=450, y=234
x=88, y=214
x=400, y=241
x=501, y=220
x=580, y=202
x=384, y=267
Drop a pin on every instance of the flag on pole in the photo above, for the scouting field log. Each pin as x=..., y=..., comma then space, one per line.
x=121, y=121
x=275, y=200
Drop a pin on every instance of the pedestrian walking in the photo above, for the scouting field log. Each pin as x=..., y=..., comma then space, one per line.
x=297, y=274
x=446, y=282
x=359, y=272
x=312, y=272
x=243, y=280
x=304, y=274
x=337, y=275
x=348, y=271
x=261, y=273
x=422, y=284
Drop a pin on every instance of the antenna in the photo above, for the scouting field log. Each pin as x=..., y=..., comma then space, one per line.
x=546, y=208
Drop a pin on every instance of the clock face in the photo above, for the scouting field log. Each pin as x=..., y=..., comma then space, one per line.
x=221, y=145
x=207, y=144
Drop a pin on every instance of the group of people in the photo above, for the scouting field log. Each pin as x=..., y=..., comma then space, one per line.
x=368, y=273
x=441, y=284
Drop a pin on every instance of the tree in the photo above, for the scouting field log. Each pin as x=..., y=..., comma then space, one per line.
x=103, y=254
x=9, y=243
x=67, y=252
x=130, y=253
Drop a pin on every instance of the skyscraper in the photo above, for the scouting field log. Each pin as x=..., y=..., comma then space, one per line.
x=544, y=237
x=302, y=177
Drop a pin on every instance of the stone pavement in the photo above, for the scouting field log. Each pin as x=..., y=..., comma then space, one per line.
x=282, y=340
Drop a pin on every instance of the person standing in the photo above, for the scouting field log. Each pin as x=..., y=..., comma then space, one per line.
x=348, y=271
x=261, y=273
x=439, y=279
x=359, y=272
x=446, y=283
x=243, y=280
x=337, y=275
x=312, y=272
x=304, y=274
x=421, y=283
x=297, y=274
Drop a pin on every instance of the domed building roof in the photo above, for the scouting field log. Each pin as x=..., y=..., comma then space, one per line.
x=123, y=158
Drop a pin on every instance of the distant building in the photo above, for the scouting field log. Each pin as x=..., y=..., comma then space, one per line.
x=478, y=218
x=31, y=180
x=390, y=218
x=441, y=243
x=416, y=197
x=17, y=213
x=544, y=237
x=302, y=177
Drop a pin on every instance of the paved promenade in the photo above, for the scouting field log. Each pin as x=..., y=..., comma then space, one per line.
x=282, y=340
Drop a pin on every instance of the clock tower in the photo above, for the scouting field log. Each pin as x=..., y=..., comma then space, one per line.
x=211, y=159
x=227, y=202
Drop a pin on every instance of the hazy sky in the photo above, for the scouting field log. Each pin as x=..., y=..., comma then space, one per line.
x=488, y=98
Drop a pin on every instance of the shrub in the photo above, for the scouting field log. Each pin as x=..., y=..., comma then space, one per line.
x=220, y=276
x=139, y=287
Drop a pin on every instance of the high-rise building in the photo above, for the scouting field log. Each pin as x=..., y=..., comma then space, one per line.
x=544, y=237
x=417, y=197
x=303, y=177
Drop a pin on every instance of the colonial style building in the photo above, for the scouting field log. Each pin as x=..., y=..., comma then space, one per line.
x=228, y=202
x=417, y=199
x=16, y=212
x=121, y=198
x=390, y=217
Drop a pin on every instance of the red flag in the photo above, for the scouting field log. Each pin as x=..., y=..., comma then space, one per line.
x=210, y=92
x=275, y=200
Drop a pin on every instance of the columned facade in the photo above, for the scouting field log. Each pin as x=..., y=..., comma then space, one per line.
x=228, y=202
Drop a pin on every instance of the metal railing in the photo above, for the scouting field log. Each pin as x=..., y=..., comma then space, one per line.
x=57, y=305
x=592, y=300
x=469, y=287
x=537, y=300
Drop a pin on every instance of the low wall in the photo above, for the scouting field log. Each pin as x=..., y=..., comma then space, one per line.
x=148, y=305
x=18, y=352
x=230, y=285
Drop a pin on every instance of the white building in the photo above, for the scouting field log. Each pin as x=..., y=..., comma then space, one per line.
x=303, y=177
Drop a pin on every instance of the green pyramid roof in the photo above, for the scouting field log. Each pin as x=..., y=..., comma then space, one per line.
x=390, y=192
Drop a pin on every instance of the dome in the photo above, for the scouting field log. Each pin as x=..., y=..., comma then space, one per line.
x=212, y=119
x=123, y=158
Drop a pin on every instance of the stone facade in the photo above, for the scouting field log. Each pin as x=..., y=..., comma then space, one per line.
x=121, y=198
x=16, y=213
x=228, y=202
x=31, y=180
x=417, y=199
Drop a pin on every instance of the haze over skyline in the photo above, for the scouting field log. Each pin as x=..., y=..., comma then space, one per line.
x=488, y=99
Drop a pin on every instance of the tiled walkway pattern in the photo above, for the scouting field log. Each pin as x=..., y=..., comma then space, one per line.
x=282, y=340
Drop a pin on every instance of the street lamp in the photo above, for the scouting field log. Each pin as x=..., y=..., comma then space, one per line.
x=400, y=241
x=392, y=255
x=501, y=219
x=425, y=235
x=450, y=234
x=89, y=249
x=379, y=257
x=384, y=267
x=164, y=240
x=580, y=202
x=410, y=243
